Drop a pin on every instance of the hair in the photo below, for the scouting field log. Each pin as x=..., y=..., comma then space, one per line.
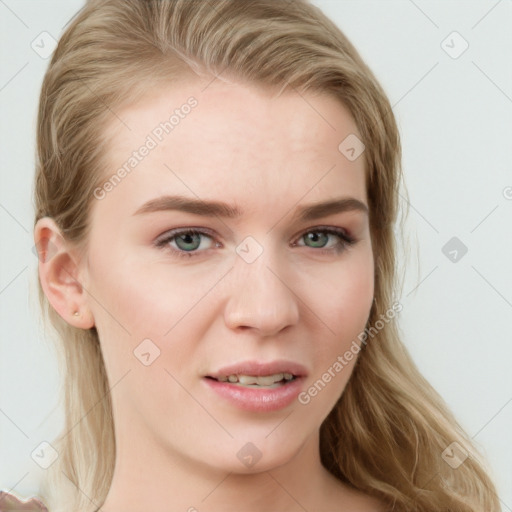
x=387, y=432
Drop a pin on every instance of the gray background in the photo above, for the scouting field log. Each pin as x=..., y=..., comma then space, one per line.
x=454, y=113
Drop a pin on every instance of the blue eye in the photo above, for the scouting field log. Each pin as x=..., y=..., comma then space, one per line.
x=188, y=241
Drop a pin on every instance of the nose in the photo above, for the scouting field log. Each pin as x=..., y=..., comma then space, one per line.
x=261, y=297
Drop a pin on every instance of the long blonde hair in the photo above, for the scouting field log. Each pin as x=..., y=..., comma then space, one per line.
x=388, y=431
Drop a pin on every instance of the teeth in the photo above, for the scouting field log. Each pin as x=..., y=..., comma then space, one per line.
x=247, y=380
x=251, y=380
x=268, y=381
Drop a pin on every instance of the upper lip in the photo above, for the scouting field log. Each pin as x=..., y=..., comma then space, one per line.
x=259, y=369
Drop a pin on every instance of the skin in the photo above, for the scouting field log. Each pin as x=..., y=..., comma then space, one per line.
x=176, y=440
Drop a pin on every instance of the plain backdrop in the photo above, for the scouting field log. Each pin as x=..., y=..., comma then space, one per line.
x=446, y=68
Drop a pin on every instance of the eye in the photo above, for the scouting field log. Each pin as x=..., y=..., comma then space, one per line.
x=320, y=236
x=188, y=241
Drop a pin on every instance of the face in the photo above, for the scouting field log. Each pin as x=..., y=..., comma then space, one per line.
x=184, y=296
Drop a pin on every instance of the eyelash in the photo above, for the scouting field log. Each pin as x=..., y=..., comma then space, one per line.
x=346, y=241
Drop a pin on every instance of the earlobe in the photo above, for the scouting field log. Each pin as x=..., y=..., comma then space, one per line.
x=59, y=274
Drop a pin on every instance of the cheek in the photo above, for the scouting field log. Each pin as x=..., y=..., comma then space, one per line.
x=347, y=295
x=134, y=302
x=344, y=306
x=345, y=303
x=125, y=299
x=129, y=297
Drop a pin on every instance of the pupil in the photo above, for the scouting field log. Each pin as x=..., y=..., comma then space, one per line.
x=188, y=239
x=315, y=236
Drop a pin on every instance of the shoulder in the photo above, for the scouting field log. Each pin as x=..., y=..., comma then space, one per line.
x=11, y=503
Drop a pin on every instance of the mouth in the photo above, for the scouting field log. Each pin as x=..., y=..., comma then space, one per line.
x=260, y=374
x=253, y=381
x=258, y=386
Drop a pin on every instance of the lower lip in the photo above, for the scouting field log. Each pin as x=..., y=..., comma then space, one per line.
x=254, y=399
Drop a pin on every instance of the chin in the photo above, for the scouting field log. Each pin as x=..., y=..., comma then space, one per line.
x=261, y=454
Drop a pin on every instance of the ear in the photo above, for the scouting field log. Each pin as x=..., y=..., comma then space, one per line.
x=59, y=273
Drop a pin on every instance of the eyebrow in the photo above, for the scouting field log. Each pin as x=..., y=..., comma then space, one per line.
x=220, y=209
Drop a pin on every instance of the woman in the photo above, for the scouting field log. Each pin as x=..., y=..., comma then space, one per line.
x=216, y=194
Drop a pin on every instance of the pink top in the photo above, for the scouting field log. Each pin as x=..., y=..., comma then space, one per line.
x=11, y=503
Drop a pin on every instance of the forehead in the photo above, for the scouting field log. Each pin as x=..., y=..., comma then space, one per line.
x=232, y=141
